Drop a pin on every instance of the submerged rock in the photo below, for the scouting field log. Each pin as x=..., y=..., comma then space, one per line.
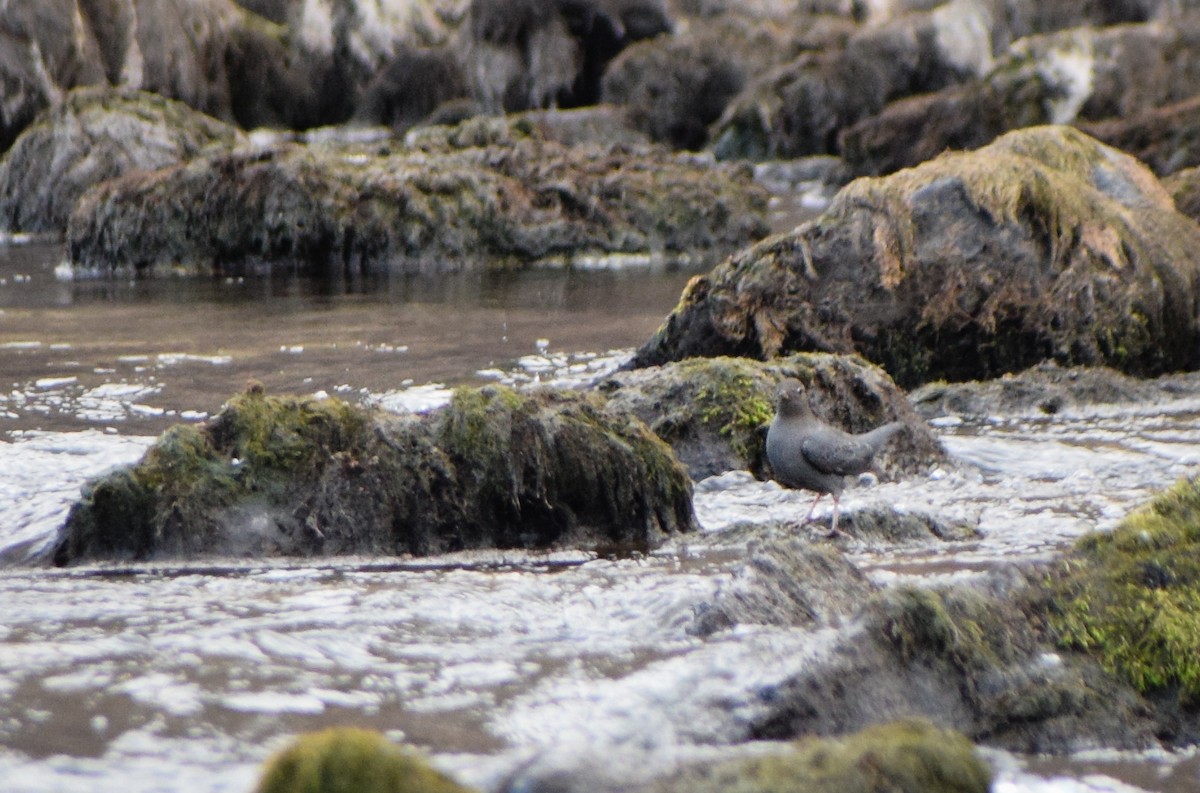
x=788, y=583
x=344, y=759
x=899, y=757
x=287, y=476
x=453, y=195
x=1045, y=245
x=1047, y=389
x=94, y=135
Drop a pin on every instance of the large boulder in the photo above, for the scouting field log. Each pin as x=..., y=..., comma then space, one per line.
x=96, y=134
x=487, y=188
x=287, y=476
x=1044, y=245
x=714, y=411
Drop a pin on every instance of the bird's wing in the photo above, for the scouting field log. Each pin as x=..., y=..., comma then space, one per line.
x=835, y=452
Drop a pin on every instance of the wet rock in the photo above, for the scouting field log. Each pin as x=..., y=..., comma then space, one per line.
x=411, y=86
x=1079, y=74
x=525, y=54
x=599, y=125
x=1129, y=598
x=94, y=135
x=786, y=583
x=968, y=660
x=286, y=476
x=1184, y=187
x=344, y=759
x=1165, y=138
x=798, y=109
x=714, y=411
x=676, y=86
x=887, y=526
x=1044, y=389
x=1045, y=245
x=448, y=199
x=303, y=65
x=909, y=756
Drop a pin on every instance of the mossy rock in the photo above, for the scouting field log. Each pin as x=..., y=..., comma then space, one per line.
x=1132, y=598
x=278, y=475
x=714, y=411
x=96, y=134
x=1044, y=245
x=448, y=197
x=348, y=760
x=908, y=756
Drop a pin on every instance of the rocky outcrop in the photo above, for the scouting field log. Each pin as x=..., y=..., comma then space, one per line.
x=275, y=476
x=1097, y=648
x=448, y=199
x=714, y=411
x=1081, y=74
x=301, y=65
x=675, y=87
x=1045, y=245
x=94, y=135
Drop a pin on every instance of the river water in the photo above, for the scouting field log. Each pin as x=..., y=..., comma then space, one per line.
x=182, y=678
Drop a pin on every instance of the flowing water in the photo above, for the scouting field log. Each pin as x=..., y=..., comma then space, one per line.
x=182, y=678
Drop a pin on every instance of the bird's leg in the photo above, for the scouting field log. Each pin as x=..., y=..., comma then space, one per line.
x=813, y=508
x=833, y=532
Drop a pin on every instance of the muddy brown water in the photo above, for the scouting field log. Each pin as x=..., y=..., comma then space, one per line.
x=184, y=677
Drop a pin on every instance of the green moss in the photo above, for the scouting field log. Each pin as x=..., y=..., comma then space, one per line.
x=1132, y=597
x=347, y=760
x=898, y=757
x=959, y=626
x=734, y=397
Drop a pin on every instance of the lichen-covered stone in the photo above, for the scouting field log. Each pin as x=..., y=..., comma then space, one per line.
x=349, y=760
x=290, y=476
x=1043, y=245
x=93, y=135
x=907, y=756
x=452, y=196
x=714, y=411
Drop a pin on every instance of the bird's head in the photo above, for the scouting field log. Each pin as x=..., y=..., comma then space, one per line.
x=791, y=398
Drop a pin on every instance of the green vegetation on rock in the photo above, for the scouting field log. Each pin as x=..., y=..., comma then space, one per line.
x=897, y=757
x=280, y=475
x=348, y=760
x=1132, y=597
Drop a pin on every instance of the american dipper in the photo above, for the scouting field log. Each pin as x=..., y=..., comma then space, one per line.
x=807, y=453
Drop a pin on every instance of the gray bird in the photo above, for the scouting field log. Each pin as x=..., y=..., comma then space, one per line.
x=809, y=454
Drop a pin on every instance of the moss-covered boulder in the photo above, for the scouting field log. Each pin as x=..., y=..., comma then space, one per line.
x=714, y=411
x=1131, y=598
x=974, y=660
x=1043, y=245
x=349, y=760
x=94, y=135
x=287, y=476
x=446, y=199
x=898, y=757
